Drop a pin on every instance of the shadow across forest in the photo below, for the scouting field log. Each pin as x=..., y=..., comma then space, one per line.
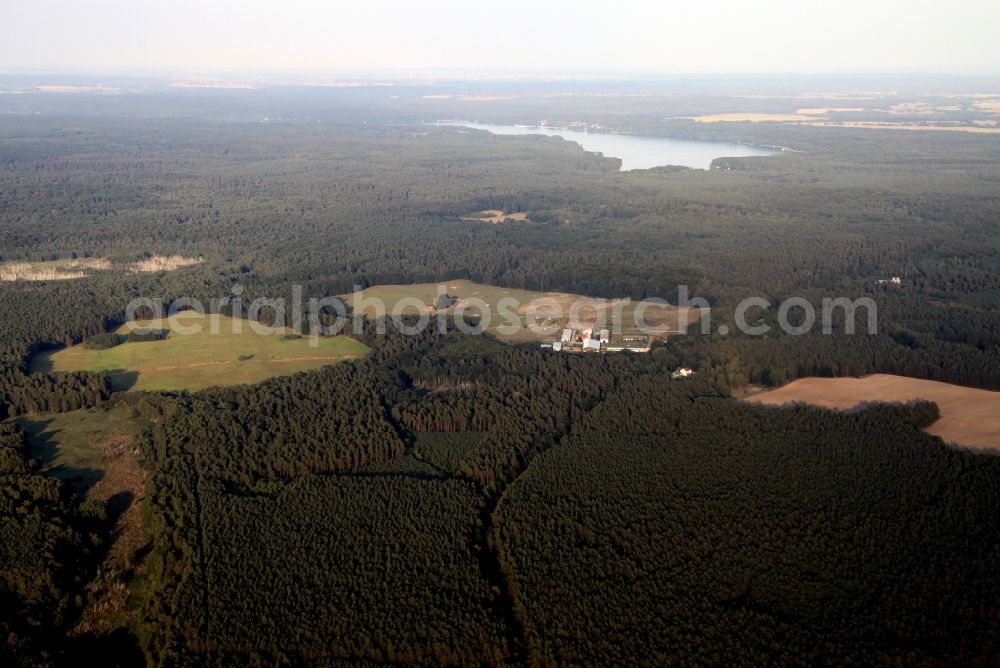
x=118, y=649
x=44, y=446
x=122, y=380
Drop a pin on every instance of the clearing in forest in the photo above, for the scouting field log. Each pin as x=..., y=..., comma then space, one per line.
x=235, y=355
x=969, y=417
x=52, y=270
x=822, y=111
x=69, y=269
x=94, y=452
x=497, y=216
x=155, y=263
x=577, y=311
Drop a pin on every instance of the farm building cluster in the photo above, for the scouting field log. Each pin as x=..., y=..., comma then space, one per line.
x=592, y=340
x=895, y=281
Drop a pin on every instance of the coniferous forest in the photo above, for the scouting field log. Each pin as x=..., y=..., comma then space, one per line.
x=453, y=499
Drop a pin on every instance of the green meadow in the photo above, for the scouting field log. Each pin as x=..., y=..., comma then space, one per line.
x=235, y=355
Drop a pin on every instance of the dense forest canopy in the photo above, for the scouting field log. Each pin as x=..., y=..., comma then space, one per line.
x=452, y=499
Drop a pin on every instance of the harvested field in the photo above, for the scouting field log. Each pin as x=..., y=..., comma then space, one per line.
x=969, y=417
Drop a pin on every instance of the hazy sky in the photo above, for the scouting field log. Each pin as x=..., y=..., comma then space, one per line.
x=697, y=36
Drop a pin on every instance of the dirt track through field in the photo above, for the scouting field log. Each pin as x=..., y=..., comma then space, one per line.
x=969, y=417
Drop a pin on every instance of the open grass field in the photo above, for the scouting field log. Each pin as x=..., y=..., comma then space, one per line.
x=551, y=311
x=969, y=417
x=235, y=355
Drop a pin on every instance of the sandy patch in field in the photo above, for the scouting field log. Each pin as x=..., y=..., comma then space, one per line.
x=988, y=106
x=496, y=216
x=969, y=417
x=753, y=118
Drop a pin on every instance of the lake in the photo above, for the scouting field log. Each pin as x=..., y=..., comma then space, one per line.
x=635, y=151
